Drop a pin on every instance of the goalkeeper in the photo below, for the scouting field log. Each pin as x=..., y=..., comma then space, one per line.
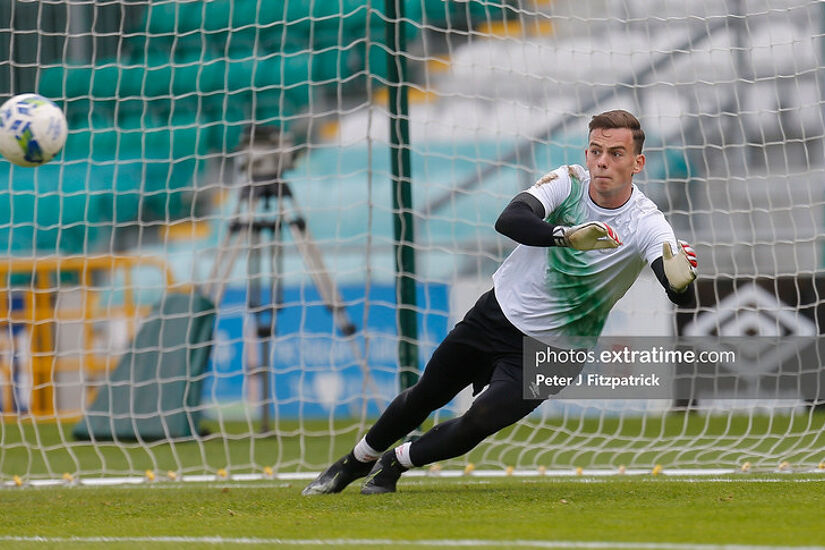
x=584, y=237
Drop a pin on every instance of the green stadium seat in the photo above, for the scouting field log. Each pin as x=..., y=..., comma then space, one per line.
x=225, y=136
x=247, y=13
x=198, y=73
x=69, y=81
x=171, y=27
x=238, y=74
x=172, y=17
x=283, y=70
x=128, y=110
x=159, y=75
x=84, y=112
x=249, y=24
x=329, y=64
x=459, y=14
x=217, y=15
x=50, y=82
x=107, y=79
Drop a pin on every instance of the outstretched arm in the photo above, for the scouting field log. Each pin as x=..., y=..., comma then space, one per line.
x=523, y=221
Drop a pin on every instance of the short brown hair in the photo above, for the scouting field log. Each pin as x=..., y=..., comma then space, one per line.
x=620, y=119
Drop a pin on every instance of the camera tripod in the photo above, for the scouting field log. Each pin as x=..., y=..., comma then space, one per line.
x=258, y=230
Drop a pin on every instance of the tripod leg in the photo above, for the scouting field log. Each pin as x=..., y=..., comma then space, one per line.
x=275, y=304
x=222, y=269
x=328, y=290
x=255, y=308
x=320, y=276
x=268, y=318
x=228, y=250
x=244, y=234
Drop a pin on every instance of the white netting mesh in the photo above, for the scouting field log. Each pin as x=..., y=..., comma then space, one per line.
x=153, y=196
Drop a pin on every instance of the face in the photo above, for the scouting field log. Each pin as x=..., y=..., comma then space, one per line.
x=612, y=162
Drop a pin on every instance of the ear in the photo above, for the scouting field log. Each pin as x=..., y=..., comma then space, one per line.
x=639, y=164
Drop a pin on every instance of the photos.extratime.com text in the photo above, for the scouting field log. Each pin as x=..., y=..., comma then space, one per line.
x=679, y=368
x=626, y=356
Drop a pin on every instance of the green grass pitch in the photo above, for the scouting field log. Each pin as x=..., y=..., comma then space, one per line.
x=764, y=509
x=651, y=512
x=47, y=449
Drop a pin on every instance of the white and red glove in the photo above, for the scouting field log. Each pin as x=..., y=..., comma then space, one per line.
x=680, y=269
x=587, y=236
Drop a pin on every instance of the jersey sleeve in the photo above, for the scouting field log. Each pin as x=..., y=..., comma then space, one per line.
x=552, y=188
x=656, y=230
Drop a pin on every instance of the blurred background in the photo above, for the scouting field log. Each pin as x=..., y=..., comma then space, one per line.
x=154, y=180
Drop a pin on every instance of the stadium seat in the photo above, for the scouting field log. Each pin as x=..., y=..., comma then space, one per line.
x=192, y=77
x=330, y=63
x=69, y=81
x=458, y=14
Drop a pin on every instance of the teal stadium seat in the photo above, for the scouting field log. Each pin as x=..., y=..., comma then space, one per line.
x=52, y=212
x=461, y=15
x=169, y=26
x=193, y=75
x=235, y=27
x=107, y=79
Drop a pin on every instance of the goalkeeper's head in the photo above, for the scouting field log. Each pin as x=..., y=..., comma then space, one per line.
x=614, y=156
x=620, y=118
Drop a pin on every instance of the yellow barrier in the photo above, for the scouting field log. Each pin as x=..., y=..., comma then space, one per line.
x=40, y=315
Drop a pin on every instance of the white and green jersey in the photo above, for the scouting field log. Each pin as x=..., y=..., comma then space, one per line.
x=561, y=296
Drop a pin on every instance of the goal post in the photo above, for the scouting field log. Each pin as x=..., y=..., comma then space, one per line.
x=402, y=205
x=386, y=159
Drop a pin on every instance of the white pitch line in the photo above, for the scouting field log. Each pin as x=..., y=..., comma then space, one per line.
x=457, y=543
x=585, y=476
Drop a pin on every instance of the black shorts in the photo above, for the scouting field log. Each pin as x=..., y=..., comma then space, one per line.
x=497, y=343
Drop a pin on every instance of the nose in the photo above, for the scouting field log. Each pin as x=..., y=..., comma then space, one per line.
x=601, y=160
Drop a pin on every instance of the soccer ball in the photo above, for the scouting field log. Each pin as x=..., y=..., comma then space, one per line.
x=32, y=130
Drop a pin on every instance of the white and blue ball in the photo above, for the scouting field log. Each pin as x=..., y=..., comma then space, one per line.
x=32, y=130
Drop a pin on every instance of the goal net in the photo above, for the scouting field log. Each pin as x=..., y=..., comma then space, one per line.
x=204, y=280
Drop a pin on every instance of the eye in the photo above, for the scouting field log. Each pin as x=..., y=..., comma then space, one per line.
x=617, y=154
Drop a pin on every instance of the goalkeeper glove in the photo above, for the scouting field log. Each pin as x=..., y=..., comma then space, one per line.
x=680, y=269
x=587, y=236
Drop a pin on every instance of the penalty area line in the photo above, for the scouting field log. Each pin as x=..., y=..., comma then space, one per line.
x=457, y=543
